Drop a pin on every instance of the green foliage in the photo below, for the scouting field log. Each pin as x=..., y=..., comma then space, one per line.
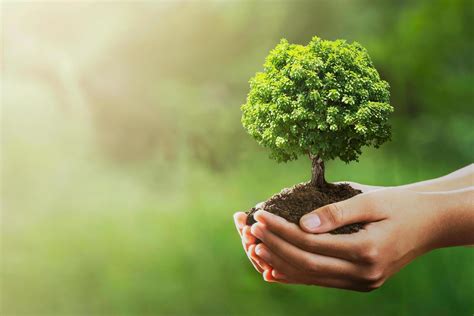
x=323, y=99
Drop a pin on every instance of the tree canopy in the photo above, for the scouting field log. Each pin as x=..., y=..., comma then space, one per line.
x=325, y=99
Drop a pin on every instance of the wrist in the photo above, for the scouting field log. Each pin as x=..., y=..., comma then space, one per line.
x=453, y=220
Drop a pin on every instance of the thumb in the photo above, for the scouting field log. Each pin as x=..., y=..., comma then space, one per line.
x=335, y=215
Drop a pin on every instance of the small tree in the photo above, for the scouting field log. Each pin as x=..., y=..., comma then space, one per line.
x=324, y=100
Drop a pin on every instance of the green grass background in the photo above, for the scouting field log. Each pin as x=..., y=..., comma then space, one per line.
x=123, y=156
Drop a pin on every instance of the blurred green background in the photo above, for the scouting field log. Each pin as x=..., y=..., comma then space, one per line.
x=123, y=156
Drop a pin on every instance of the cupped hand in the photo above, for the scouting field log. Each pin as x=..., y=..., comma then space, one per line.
x=249, y=241
x=400, y=226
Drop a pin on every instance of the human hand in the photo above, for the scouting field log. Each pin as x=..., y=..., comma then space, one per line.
x=249, y=241
x=401, y=225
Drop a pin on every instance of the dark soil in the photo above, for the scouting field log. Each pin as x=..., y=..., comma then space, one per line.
x=303, y=198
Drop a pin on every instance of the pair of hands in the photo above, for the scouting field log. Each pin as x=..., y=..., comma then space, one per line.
x=401, y=224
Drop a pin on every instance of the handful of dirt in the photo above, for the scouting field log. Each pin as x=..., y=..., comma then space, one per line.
x=293, y=203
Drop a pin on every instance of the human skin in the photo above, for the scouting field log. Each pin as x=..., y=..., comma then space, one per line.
x=429, y=215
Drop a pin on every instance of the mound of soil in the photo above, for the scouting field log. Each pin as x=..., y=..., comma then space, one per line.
x=293, y=203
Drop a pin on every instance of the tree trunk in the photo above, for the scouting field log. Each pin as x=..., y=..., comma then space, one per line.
x=317, y=172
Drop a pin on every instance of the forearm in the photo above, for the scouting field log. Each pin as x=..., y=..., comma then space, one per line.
x=454, y=218
x=458, y=179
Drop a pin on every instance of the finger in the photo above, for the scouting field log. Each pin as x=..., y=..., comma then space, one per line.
x=278, y=275
x=282, y=278
x=277, y=263
x=306, y=261
x=294, y=276
x=253, y=256
x=358, y=209
x=284, y=272
x=239, y=220
x=245, y=245
x=339, y=246
x=247, y=235
x=268, y=277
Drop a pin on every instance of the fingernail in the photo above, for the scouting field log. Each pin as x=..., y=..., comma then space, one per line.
x=256, y=230
x=249, y=250
x=237, y=222
x=261, y=252
x=311, y=221
x=263, y=216
x=258, y=215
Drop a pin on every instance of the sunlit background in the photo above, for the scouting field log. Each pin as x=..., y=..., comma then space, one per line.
x=123, y=155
